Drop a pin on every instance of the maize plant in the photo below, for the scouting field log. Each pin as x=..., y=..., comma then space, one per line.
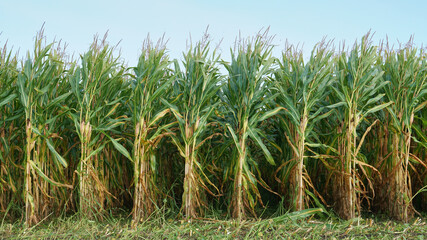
x=152, y=80
x=41, y=95
x=245, y=97
x=357, y=93
x=10, y=111
x=97, y=87
x=301, y=90
x=406, y=73
x=195, y=87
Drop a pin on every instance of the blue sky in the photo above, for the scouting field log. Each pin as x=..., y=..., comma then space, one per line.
x=300, y=22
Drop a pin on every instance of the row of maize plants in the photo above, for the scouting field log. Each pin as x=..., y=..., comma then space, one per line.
x=344, y=130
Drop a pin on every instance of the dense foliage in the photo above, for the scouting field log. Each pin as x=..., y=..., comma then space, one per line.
x=343, y=131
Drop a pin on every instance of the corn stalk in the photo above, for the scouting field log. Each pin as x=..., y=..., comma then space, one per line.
x=406, y=72
x=195, y=88
x=97, y=86
x=152, y=80
x=357, y=94
x=302, y=88
x=41, y=97
x=245, y=97
x=9, y=111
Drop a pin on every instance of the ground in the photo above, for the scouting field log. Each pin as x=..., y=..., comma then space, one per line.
x=167, y=228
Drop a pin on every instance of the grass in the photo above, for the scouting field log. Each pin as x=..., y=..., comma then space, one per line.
x=161, y=227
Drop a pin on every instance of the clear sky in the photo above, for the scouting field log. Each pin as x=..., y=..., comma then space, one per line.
x=300, y=22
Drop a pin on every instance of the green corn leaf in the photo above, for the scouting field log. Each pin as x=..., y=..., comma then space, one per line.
x=58, y=157
x=8, y=99
x=120, y=147
x=377, y=108
x=254, y=135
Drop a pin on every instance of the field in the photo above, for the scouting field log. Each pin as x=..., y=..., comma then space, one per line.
x=327, y=145
x=167, y=228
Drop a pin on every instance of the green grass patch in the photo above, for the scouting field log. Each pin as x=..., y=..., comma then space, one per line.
x=161, y=227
